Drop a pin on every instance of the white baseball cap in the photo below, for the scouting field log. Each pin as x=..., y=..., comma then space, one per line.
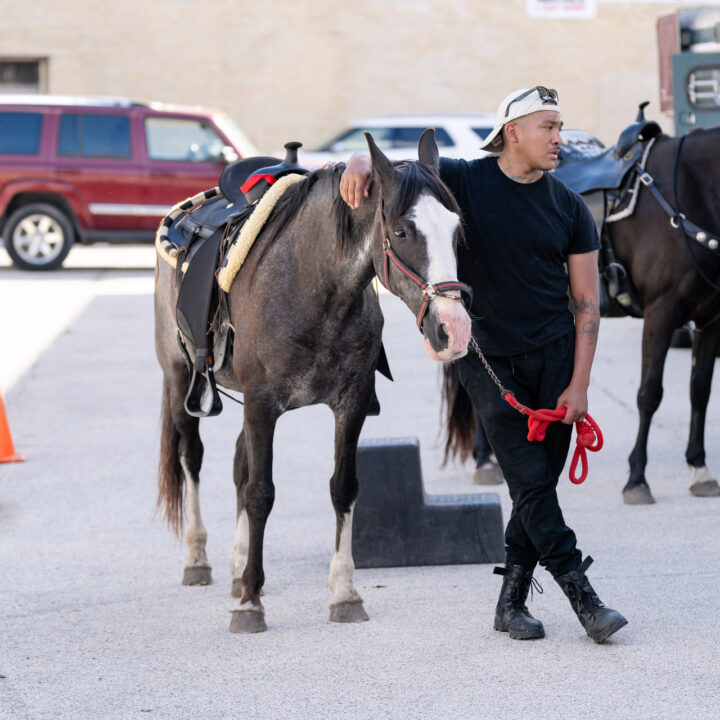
x=517, y=104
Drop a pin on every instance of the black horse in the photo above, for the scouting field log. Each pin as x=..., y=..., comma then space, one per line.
x=307, y=330
x=675, y=280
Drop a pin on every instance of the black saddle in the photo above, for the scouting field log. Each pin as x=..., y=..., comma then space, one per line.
x=606, y=168
x=239, y=185
x=606, y=177
x=201, y=234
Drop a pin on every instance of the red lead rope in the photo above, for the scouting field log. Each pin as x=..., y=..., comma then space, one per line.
x=589, y=436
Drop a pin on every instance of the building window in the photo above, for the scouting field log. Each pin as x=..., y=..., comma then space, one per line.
x=23, y=76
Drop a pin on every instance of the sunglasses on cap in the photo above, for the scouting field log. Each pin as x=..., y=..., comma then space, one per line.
x=547, y=95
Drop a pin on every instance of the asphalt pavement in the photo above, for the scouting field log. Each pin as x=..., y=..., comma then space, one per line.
x=94, y=622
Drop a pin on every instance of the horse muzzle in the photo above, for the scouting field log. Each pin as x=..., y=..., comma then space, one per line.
x=447, y=329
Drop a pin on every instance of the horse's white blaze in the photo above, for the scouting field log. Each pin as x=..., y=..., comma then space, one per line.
x=195, y=534
x=342, y=566
x=699, y=474
x=239, y=553
x=438, y=225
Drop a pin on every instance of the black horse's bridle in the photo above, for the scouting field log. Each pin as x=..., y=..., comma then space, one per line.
x=429, y=290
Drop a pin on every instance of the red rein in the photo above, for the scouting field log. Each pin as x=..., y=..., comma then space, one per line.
x=589, y=436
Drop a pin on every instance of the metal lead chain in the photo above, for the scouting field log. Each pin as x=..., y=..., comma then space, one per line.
x=493, y=376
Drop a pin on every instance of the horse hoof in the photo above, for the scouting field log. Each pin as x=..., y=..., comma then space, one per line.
x=705, y=488
x=348, y=612
x=236, y=588
x=247, y=621
x=198, y=575
x=488, y=474
x=638, y=495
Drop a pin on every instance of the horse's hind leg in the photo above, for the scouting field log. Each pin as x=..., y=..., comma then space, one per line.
x=197, y=570
x=346, y=604
x=181, y=458
x=657, y=335
x=239, y=553
x=248, y=616
x=705, y=347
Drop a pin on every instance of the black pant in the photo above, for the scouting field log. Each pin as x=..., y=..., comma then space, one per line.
x=536, y=531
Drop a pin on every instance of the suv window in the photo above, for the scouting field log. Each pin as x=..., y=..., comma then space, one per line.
x=94, y=135
x=408, y=137
x=20, y=133
x=182, y=139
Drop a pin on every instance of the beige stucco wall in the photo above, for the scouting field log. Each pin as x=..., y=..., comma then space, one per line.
x=299, y=69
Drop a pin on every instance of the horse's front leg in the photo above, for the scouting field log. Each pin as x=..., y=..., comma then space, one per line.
x=705, y=348
x=346, y=604
x=658, y=328
x=239, y=553
x=248, y=616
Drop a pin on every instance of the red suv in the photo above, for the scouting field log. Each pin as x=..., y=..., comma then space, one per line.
x=91, y=169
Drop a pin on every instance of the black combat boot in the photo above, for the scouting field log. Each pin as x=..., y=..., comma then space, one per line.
x=600, y=622
x=511, y=613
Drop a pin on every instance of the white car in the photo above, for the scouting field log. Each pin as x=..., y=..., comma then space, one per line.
x=397, y=136
x=457, y=136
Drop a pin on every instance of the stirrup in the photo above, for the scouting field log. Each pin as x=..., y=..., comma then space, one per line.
x=199, y=384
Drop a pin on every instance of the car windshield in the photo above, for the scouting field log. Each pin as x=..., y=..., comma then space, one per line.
x=238, y=137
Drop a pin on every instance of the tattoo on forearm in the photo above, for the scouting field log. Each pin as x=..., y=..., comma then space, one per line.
x=589, y=330
x=585, y=305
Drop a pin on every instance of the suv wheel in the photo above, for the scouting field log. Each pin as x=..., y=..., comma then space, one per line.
x=38, y=236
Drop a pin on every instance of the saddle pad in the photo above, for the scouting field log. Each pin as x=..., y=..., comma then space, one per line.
x=251, y=229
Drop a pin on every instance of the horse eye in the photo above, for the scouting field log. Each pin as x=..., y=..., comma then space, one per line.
x=399, y=233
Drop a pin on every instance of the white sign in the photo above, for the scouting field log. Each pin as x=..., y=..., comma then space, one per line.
x=562, y=9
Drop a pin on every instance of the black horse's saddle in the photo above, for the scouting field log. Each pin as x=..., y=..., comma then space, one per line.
x=585, y=170
x=609, y=181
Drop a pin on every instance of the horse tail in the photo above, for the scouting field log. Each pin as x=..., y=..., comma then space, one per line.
x=170, y=473
x=459, y=416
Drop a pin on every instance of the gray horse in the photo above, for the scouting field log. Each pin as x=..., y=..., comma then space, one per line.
x=307, y=330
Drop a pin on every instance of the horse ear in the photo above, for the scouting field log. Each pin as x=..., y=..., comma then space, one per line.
x=381, y=165
x=428, y=150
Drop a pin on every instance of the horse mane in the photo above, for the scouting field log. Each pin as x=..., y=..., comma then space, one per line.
x=412, y=179
x=296, y=197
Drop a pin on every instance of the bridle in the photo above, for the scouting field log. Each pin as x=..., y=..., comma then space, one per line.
x=429, y=290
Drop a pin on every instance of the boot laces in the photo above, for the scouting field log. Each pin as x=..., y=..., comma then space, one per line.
x=531, y=586
x=526, y=584
x=582, y=592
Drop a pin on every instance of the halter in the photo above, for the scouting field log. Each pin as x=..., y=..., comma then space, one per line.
x=429, y=290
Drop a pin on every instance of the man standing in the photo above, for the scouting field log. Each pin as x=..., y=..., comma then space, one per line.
x=528, y=238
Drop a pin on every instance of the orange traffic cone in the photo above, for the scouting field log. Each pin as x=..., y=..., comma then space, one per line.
x=7, y=449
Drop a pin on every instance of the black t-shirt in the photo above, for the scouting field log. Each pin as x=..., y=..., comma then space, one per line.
x=517, y=239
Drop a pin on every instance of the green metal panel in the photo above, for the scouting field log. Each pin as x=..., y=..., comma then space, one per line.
x=696, y=90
